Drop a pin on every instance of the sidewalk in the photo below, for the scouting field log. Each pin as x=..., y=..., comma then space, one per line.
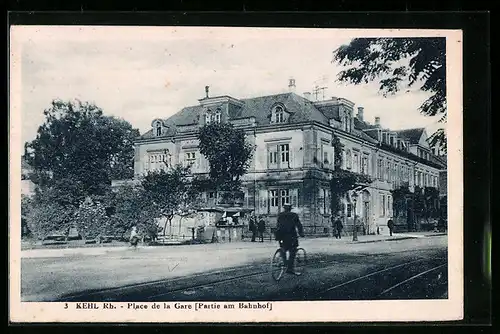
x=238, y=245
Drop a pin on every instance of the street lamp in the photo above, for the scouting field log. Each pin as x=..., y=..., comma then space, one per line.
x=355, y=231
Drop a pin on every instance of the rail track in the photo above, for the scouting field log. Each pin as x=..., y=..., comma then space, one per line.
x=180, y=284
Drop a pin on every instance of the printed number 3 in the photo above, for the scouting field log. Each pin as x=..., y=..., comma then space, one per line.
x=65, y=305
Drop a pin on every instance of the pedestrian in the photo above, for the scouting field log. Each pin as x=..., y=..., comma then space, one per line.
x=261, y=228
x=390, y=225
x=252, y=226
x=338, y=228
x=134, y=237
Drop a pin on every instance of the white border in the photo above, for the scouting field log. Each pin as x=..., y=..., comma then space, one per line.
x=321, y=311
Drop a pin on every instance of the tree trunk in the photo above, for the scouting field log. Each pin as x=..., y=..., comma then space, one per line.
x=180, y=225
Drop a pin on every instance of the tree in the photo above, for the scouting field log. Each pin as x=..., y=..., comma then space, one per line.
x=399, y=64
x=91, y=220
x=170, y=192
x=45, y=217
x=78, y=151
x=132, y=208
x=227, y=152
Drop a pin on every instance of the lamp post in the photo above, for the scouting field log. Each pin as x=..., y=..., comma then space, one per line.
x=355, y=230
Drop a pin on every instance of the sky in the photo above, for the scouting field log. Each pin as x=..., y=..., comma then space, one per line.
x=143, y=73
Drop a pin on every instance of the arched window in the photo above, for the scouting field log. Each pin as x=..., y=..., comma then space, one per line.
x=158, y=128
x=216, y=116
x=279, y=115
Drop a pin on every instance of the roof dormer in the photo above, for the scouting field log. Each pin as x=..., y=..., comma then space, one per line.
x=279, y=114
x=159, y=127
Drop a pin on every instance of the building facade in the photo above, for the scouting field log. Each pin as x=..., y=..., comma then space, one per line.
x=293, y=161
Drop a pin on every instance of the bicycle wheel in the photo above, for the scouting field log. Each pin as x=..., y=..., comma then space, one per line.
x=300, y=260
x=278, y=265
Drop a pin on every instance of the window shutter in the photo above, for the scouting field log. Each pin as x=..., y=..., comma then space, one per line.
x=333, y=157
x=327, y=201
x=321, y=200
x=294, y=193
x=291, y=156
x=263, y=201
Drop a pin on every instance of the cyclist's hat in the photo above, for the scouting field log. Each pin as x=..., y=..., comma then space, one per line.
x=287, y=206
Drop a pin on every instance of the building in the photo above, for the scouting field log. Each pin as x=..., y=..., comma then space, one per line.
x=294, y=157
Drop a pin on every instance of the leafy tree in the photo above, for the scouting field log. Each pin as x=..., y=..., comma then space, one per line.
x=170, y=192
x=45, y=217
x=91, y=220
x=227, y=152
x=132, y=208
x=398, y=64
x=78, y=151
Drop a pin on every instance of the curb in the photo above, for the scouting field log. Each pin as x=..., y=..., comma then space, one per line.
x=381, y=240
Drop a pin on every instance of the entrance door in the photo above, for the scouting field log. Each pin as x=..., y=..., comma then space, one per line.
x=366, y=216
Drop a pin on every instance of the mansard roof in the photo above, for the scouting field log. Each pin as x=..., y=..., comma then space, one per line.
x=300, y=110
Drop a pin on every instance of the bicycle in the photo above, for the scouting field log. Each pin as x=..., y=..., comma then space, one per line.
x=278, y=263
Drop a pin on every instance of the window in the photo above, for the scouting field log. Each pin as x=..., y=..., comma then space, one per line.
x=382, y=205
x=190, y=158
x=380, y=164
x=279, y=115
x=349, y=159
x=322, y=201
x=349, y=210
x=355, y=163
x=285, y=197
x=389, y=205
x=216, y=117
x=278, y=156
x=285, y=153
x=345, y=120
x=364, y=165
x=158, y=129
x=386, y=170
x=273, y=198
x=208, y=118
x=158, y=160
x=211, y=194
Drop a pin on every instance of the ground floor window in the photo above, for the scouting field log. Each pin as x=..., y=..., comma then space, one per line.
x=278, y=198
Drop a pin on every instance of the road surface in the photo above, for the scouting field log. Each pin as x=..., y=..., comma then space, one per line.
x=336, y=270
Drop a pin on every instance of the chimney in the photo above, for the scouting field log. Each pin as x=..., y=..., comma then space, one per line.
x=206, y=90
x=377, y=121
x=360, y=113
x=291, y=85
x=307, y=95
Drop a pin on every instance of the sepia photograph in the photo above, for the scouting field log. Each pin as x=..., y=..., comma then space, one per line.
x=201, y=174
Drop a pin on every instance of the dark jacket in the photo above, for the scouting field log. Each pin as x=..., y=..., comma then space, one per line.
x=338, y=224
x=252, y=226
x=390, y=224
x=288, y=224
x=262, y=225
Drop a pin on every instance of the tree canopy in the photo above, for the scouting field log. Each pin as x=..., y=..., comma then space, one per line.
x=398, y=64
x=227, y=152
x=78, y=151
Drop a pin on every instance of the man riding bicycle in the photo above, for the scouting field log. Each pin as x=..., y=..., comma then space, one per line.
x=286, y=234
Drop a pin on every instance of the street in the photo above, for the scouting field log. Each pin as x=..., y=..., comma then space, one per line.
x=414, y=268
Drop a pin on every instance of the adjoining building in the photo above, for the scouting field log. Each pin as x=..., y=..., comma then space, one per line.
x=294, y=158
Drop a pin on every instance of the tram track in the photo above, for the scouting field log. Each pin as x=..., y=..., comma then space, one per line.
x=172, y=288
